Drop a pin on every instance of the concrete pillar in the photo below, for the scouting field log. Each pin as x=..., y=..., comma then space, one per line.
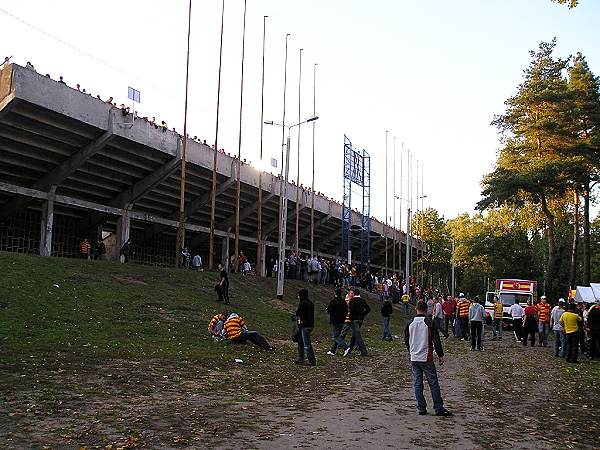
x=123, y=228
x=262, y=268
x=225, y=251
x=47, y=223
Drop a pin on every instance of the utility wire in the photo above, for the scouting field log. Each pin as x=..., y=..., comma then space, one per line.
x=89, y=55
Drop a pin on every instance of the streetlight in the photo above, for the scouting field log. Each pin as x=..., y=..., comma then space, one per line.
x=421, y=231
x=283, y=204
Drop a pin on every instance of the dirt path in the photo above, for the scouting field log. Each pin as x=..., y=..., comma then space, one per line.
x=491, y=394
x=349, y=402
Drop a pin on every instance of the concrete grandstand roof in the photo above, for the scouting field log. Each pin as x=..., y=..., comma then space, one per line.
x=54, y=135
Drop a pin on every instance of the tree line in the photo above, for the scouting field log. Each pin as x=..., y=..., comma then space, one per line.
x=534, y=214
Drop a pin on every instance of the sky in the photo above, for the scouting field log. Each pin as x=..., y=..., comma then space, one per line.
x=432, y=73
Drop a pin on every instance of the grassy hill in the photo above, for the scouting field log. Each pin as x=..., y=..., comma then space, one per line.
x=98, y=309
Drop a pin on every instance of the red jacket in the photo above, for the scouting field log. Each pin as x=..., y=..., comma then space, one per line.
x=449, y=307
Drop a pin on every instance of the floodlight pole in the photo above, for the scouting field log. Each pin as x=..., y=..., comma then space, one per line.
x=386, y=203
x=400, y=211
x=394, y=209
x=239, y=155
x=213, y=197
x=296, y=246
x=312, y=187
x=282, y=233
x=181, y=229
x=259, y=250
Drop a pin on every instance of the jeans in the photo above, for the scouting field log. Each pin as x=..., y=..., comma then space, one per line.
x=357, y=339
x=305, y=346
x=225, y=293
x=464, y=326
x=544, y=330
x=427, y=368
x=386, y=329
x=406, y=307
x=336, y=329
x=438, y=322
x=559, y=343
x=255, y=338
x=457, y=330
x=449, y=322
x=341, y=338
x=497, y=328
x=476, y=330
x=572, y=347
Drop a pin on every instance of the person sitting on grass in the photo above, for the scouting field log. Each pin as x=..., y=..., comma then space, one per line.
x=237, y=332
x=216, y=324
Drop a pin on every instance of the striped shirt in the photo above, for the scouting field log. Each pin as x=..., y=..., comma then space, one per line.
x=543, y=310
x=233, y=327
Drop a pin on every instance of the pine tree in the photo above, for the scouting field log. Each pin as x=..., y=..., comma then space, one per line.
x=585, y=91
x=532, y=166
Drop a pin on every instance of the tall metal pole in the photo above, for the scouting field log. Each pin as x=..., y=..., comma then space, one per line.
x=395, y=232
x=296, y=246
x=423, y=274
x=408, y=244
x=283, y=188
x=213, y=196
x=259, y=256
x=312, y=186
x=408, y=224
x=181, y=230
x=418, y=275
x=386, y=203
x=400, y=212
x=283, y=222
x=239, y=155
x=283, y=120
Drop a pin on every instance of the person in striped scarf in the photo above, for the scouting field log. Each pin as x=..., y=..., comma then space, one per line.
x=543, y=311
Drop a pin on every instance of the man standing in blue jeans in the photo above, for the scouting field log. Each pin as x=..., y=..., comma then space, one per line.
x=421, y=337
x=306, y=322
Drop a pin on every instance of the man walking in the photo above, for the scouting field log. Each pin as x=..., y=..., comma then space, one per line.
x=516, y=312
x=476, y=317
x=438, y=316
x=223, y=284
x=463, y=316
x=421, y=337
x=337, y=310
x=557, y=328
x=357, y=309
x=498, y=313
x=543, y=312
x=449, y=307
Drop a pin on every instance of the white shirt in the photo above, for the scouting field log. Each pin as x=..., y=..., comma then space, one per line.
x=555, y=317
x=516, y=311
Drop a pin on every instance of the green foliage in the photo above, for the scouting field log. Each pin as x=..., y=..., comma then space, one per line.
x=570, y=3
x=550, y=149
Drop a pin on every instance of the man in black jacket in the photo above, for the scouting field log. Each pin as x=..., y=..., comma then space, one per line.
x=306, y=323
x=337, y=311
x=358, y=309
